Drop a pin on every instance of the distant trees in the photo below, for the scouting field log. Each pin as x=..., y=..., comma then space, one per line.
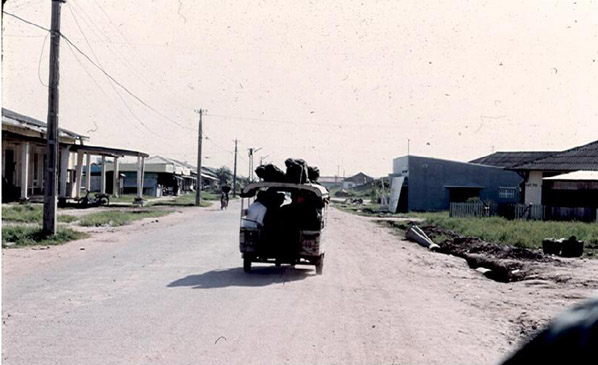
x=224, y=175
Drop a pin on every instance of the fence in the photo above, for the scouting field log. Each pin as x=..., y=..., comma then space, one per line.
x=461, y=210
x=571, y=213
x=523, y=211
x=533, y=212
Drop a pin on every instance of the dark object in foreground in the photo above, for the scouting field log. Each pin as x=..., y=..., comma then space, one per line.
x=571, y=247
x=296, y=171
x=95, y=201
x=572, y=338
x=270, y=173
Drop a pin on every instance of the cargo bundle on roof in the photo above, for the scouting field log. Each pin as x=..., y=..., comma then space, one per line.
x=297, y=172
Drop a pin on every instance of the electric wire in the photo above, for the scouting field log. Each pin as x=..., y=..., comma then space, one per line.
x=100, y=68
x=39, y=63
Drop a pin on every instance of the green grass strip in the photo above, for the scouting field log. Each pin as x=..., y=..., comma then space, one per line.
x=21, y=236
x=30, y=213
x=118, y=217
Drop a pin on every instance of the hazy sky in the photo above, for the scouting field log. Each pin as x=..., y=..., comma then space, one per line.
x=341, y=84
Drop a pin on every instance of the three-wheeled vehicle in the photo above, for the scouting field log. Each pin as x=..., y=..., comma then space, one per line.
x=283, y=223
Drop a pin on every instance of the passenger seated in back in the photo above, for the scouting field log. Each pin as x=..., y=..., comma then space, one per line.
x=256, y=212
x=271, y=232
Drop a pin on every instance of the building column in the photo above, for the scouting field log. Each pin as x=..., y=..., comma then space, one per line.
x=103, y=176
x=24, y=170
x=142, y=173
x=79, y=173
x=88, y=174
x=64, y=169
x=140, y=168
x=533, y=188
x=115, y=178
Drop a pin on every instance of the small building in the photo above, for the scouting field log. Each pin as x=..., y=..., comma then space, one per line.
x=431, y=184
x=542, y=187
x=357, y=180
x=23, y=156
x=23, y=175
x=573, y=189
x=165, y=175
x=330, y=181
x=209, y=179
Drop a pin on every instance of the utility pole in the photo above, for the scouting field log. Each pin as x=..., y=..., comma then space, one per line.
x=199, y=138
x=250, y=172
x=262, y=159
x=235, y=172
x=251, y=152
x=51, y=177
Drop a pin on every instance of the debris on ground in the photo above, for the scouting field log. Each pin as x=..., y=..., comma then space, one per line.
x=341, y=193
x=499, y=262
x=414, y=233
x=503, y=263
x=353, y=201
x=571, y=247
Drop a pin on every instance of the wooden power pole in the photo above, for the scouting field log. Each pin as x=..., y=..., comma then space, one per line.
x=235, y=172
x=198, y=190
x=51, y=171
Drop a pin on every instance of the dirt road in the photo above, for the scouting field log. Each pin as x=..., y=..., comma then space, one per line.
x=174, y=292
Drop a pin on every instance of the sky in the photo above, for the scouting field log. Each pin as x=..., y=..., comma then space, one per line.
x=345, y=85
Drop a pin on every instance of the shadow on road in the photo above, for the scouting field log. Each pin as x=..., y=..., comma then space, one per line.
x=259, y=276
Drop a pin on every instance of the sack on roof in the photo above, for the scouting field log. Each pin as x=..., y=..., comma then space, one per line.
x=296, y=171
x=270, y=173
x=313, y=173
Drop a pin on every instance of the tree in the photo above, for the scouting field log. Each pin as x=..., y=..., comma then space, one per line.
x=225, y=176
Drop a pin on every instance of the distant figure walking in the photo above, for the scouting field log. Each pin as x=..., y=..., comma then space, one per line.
x=224, y=197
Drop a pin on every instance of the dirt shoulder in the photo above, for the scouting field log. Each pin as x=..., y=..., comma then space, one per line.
x=532, y=287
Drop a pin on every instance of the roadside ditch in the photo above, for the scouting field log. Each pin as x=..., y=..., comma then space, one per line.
x=499, y=262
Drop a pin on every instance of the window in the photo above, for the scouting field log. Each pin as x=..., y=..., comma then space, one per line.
x=506, y=193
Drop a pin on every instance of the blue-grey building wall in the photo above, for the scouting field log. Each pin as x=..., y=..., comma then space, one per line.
x=429, y=180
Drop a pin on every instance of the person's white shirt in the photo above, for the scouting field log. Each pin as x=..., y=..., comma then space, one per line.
x=255, y=215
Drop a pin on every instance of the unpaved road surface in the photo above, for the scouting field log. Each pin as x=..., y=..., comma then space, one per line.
x=173, y=292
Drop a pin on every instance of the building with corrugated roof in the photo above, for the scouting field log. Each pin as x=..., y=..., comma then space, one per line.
x=24, y=142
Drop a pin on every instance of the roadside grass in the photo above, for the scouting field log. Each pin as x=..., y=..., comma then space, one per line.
x=209, y=195
x=128, y=198
x=21, y=236
x=186, y=200
x=520, y=233
x=30, y=213
x=119, y=218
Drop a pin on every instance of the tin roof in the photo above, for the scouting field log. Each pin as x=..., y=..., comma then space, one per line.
x=11, y=118
x=576, y=175
x=510, y=159
x=578, y=158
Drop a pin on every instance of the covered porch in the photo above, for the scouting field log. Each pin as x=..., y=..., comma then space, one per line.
x=107, y=159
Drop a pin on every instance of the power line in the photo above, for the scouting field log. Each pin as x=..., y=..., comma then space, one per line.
x=104, y=72
x=138, y=60
x=115, y=91
x=83, y=34
x=39, y=63
x=26, y=21
x=121, y=85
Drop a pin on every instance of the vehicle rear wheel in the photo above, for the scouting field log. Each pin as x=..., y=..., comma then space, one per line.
x=246, y=264
x=320, y=265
